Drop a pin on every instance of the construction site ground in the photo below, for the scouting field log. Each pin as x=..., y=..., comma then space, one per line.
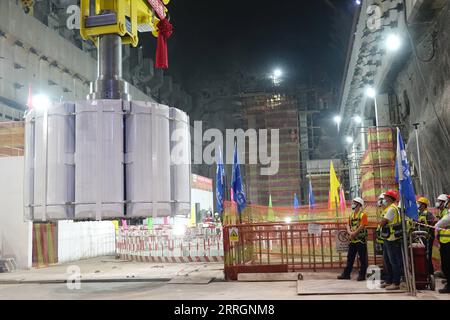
x=109, y=278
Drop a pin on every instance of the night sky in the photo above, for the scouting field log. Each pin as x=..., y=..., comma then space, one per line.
x=299, y=36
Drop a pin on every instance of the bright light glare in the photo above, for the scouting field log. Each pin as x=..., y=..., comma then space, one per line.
x=349, y=139
x=370, y=92
x=277, y=73
x=41, y=102
x=393, y=42
x=288, y=220
x=179, y=230
x=337, y=119
x=357, y=119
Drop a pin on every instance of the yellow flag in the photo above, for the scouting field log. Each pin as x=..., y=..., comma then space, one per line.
x=193, y=218
x=334, y=189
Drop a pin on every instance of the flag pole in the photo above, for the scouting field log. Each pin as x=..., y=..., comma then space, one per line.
x=406, y=256
x=406, y=266
x=337, y=210
x=240, y=215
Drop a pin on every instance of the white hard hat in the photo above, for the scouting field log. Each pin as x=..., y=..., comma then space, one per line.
x=359, y=200
x=381, y=196
x=443, y=197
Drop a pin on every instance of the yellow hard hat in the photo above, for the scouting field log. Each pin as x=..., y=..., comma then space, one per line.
x=424, y=201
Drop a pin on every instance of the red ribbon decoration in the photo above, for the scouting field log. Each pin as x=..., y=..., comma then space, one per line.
x=165, y=29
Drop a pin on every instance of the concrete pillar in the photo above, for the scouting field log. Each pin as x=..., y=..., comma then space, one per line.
x=384, y=118
x=166, y=89
x=354, y=165
x=157, y=81
x=304, y=154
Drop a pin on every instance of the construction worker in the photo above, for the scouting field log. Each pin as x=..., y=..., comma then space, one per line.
x=391, y=232
x=356, y=228
x=443, y=235
x=441, y=204
x=427, y=218
x=380, y=201
x=380, y=240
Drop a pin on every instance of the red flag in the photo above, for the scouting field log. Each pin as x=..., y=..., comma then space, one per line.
x=30, y=98
x=165, y=30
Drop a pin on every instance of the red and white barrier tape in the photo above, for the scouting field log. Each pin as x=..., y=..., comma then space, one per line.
x=171, y=259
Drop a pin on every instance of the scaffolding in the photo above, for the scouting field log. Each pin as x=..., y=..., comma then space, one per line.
x=377, y=165
x=274, y=111
x=12, y=138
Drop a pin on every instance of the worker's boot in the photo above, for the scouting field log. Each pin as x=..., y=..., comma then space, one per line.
x=385, y=285
x=439, y=274
x=403, y=285
x=343, y=277
x=446, y=289
x=361, y=278
x=393, y=287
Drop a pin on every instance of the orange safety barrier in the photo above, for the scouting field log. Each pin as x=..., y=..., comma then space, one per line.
x=45, y=251
x=286, y=247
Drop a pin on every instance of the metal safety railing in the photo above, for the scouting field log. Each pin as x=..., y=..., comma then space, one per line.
x=282, y=247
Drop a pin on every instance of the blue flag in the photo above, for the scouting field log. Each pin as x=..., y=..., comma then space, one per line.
x=296, y=205
x=311, y=196
x=220, y=182
x=403, y=178
x=236, y=184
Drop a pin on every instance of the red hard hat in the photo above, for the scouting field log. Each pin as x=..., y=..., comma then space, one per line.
x=393, y=194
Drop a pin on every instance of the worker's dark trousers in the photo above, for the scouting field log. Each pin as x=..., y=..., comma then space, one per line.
x=392, y=255
x=445, y=260
x=353, y=249
x=430, y=243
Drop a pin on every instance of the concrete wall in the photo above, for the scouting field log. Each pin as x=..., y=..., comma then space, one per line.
x=76, y=240
x=423, y=90
x=83, y=240
x=205, y=198
x=15, y=234
x=410, y=91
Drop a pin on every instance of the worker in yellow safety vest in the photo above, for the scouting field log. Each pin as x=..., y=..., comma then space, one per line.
x=391, y=231
x=443, y=235
x=380, y=240
x=426, y=218
x=356, y=228
x=441, y=205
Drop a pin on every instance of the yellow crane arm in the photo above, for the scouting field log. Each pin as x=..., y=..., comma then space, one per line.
x=125, y=18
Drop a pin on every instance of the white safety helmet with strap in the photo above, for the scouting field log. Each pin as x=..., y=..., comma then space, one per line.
x=359, y=200
x=380, y=200
x=442, y=198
